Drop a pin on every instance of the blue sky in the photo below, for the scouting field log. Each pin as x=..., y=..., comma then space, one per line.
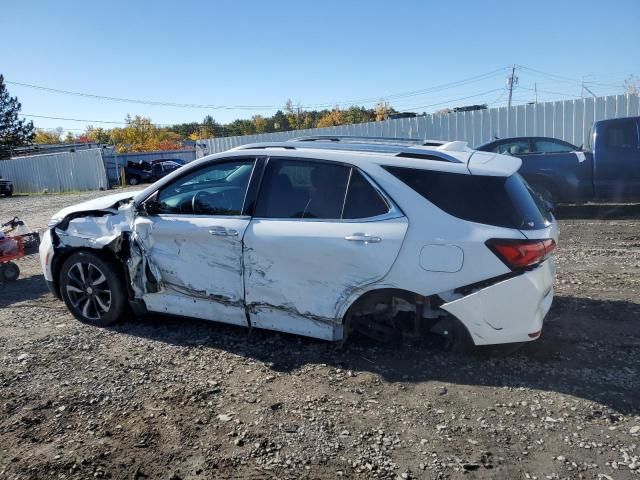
x=260, y=53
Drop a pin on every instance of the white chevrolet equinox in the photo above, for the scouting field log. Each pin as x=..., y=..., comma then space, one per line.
x=320, y=237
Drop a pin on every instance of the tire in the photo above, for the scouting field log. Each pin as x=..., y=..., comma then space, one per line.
x=452, y=336
x=133, y=180
x=9, y=272
x=92, y=289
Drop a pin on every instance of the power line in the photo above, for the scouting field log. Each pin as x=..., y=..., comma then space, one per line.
x=455, y=100
x=559, y=78
x=113, y=122
x=552, y=92
x=144, y=102
x=444, y=86
x=74, y=119
x=393, y=96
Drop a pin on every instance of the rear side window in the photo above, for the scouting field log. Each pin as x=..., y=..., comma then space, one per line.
x=308, y=189
x=498, y=201
x=302, y=189
x=363, y=201
x=549, y=146
x=621, y=135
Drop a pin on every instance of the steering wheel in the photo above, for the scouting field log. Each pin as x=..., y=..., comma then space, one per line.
x=204, y=202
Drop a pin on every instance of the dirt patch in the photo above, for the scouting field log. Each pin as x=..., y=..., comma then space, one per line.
x=168, y=398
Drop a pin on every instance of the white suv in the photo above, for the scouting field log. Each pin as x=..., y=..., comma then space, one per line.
x=320, y=237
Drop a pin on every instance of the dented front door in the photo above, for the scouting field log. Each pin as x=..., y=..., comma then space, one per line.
x=199, y=260
x=194, y=244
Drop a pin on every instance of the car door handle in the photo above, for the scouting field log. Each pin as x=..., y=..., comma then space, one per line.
x=223, y=232
x=359, y=237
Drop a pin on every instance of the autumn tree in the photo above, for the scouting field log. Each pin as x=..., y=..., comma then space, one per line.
x=97, y=134
x=260, y=124
x=280, y=121
x=332, y=118
x=382, y=110
x=47, y=136
x=14, y=131
x=632, y=85
x=141, y=135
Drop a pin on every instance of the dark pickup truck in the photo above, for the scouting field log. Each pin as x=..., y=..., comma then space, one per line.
x=608, y=170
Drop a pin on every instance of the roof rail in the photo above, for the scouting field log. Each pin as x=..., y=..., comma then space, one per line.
x=397, y=150
x=367, y=139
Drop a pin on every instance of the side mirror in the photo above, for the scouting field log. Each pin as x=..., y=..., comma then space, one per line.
x=151, y=207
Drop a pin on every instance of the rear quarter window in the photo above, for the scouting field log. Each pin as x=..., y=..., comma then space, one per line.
x=498, y=201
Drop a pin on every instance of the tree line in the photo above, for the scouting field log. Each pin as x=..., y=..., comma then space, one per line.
x=141, y=134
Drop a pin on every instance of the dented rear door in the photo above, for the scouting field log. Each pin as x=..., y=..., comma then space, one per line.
x=299, y=272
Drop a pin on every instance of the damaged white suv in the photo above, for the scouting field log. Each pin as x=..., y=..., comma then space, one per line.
x=319, y=237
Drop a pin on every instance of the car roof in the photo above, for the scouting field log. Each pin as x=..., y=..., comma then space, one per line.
x=453, y=157
x=515, y=139
x=617, y=120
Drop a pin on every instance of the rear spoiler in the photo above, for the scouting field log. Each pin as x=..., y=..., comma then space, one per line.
x=492, y=164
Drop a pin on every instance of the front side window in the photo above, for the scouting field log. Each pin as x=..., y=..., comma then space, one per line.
x=519, y=147
x=551, y=146
x=316, y=190
x=217, y=189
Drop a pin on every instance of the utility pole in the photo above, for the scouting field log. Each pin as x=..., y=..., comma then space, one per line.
x=511, y=82
x=584, y=87
x=535, y=89
x=589, y=90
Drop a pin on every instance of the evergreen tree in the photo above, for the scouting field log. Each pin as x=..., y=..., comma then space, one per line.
x=14, y=132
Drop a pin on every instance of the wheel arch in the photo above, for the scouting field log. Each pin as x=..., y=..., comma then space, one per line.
x=381, y=294
x=62, y=254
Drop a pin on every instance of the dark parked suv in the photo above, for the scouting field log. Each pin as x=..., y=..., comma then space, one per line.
x=6, y=187
x=145, y=172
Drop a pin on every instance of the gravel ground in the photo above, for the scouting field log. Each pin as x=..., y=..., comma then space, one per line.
x=179, y=399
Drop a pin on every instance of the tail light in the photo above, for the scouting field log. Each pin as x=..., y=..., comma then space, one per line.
x=519, y=254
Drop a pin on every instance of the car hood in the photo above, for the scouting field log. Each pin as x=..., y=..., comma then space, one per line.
x=101, y=203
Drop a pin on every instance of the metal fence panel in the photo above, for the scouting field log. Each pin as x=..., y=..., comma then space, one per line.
x=568, y=120
x=56, y=172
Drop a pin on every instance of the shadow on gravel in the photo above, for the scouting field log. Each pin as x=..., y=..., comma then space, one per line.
x=600, y=212
x=21, y=290
x=588, y=349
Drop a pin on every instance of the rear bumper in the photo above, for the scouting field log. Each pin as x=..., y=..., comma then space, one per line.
x=509, y=311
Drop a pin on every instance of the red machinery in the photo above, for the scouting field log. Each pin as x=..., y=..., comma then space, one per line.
x=16, y=241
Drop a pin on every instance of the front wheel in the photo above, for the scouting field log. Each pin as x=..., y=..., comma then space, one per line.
x=92, y=289
x=134, y=180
